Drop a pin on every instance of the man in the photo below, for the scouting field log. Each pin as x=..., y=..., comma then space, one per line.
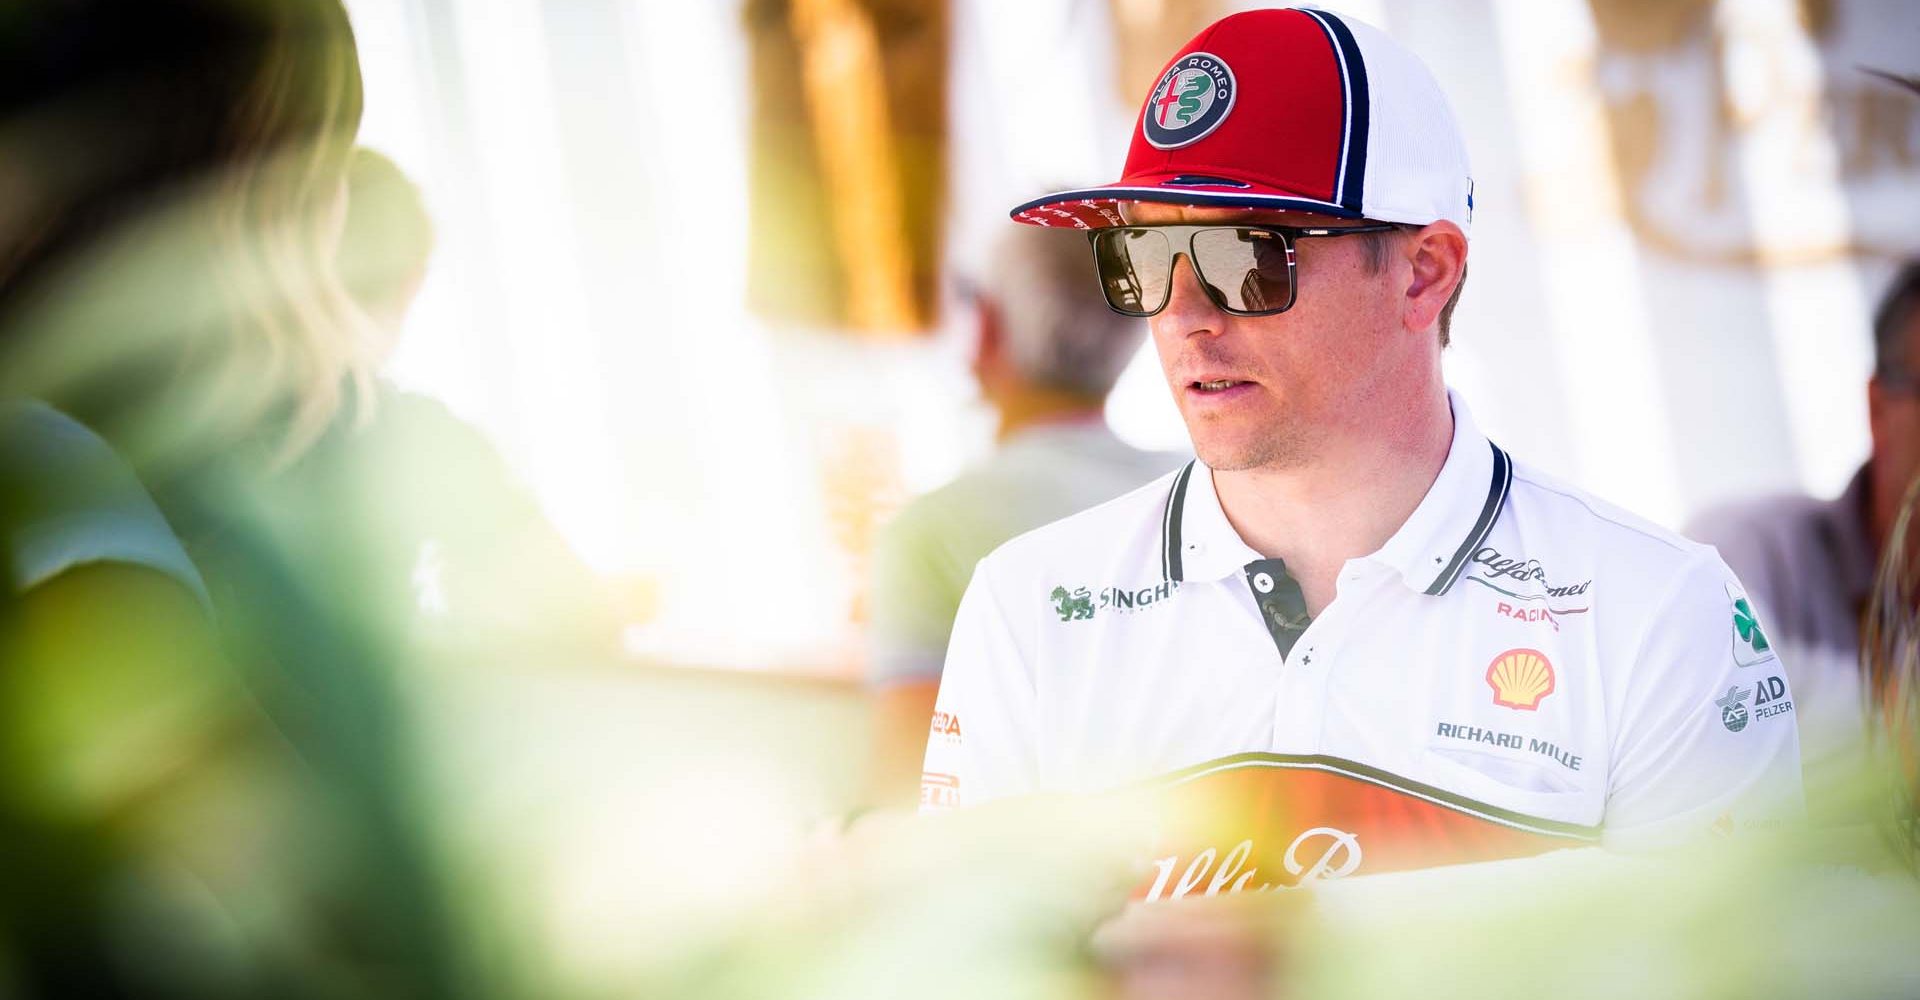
x=1046, y=356
x=1354, y=634
x=1810, y=563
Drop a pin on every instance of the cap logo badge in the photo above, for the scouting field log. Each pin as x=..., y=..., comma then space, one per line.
x=1192, y=99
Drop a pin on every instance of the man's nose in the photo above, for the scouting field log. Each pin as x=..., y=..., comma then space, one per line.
x=1189, y=309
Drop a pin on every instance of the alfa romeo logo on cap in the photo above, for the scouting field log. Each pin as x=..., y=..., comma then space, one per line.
x=1192, y=99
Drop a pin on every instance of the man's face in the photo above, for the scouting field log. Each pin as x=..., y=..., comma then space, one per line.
x=1275, y=391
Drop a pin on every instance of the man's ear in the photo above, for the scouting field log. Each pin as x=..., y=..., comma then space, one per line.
x=1438, y=255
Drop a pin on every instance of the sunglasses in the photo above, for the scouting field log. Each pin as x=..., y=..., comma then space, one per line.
x=1246, y=270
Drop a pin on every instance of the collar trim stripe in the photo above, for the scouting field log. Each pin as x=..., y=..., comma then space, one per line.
x=1489, y=513
x=1353, y=83
x=1170, y=568
x=1392, y=782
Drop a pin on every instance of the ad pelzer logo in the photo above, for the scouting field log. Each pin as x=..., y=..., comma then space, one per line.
x=1750, y=645
x=1520, y=678
x=1080, y=603
x=1733, y=708
x=1770, y=698
x=1191, y=100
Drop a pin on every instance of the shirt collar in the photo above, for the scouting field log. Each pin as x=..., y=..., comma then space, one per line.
x=1429, y=550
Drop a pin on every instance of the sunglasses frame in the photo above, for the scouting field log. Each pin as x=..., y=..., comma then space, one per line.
x=1176, y=231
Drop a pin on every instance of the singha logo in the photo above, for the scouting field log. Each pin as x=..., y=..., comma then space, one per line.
x=1073, y=606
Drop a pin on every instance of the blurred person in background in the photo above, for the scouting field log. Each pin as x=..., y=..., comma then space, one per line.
x=1809, y=564
x=206, y=787
x=1046, y=356
x=487, y=570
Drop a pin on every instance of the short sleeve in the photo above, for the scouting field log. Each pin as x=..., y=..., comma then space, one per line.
x=1750, y=550
x=1708, y=744
x=983, y=744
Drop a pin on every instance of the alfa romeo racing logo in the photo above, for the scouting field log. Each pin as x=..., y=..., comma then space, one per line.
x=1191, y=100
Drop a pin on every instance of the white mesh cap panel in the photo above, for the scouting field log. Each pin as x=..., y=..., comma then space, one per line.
x=1417, y=168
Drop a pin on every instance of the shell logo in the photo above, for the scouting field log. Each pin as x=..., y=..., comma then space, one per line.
x=1520, y=678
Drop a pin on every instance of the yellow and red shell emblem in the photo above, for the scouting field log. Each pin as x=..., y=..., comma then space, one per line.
x=1520, y=678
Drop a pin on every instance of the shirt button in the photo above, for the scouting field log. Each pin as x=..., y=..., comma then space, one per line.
x=1263, y=583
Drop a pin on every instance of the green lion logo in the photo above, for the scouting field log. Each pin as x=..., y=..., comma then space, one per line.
x=1074, y=606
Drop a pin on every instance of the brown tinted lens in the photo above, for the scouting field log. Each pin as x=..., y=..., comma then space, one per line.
x=1245, y=268
x=1135, y=266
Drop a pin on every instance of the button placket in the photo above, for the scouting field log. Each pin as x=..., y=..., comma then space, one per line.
x=1283, y=608
x=1312, y=664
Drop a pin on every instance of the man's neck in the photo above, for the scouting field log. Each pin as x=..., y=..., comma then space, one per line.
x=1035, y=407
x=1345, y=504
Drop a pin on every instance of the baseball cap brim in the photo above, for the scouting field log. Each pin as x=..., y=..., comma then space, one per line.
x=1099, y=207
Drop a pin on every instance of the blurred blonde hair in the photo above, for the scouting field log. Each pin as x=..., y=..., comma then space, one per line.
x=296, y=332
x=1890, y=660
x=196, y=274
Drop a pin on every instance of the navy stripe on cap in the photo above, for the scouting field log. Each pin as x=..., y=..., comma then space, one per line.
x=1353, y=147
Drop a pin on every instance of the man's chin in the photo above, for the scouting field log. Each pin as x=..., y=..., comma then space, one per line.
x=1272, y=452
x=1233, y=458
x=1226, y=461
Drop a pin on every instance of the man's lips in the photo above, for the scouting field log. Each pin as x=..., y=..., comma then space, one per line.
x=1211, y=384
x=1210, y=393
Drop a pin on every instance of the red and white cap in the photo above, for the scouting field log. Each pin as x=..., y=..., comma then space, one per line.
x=1298, y=110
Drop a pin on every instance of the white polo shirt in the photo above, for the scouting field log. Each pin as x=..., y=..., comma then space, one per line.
x=1520, y=667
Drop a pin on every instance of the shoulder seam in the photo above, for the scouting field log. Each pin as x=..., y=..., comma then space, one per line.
x=1676, y=542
